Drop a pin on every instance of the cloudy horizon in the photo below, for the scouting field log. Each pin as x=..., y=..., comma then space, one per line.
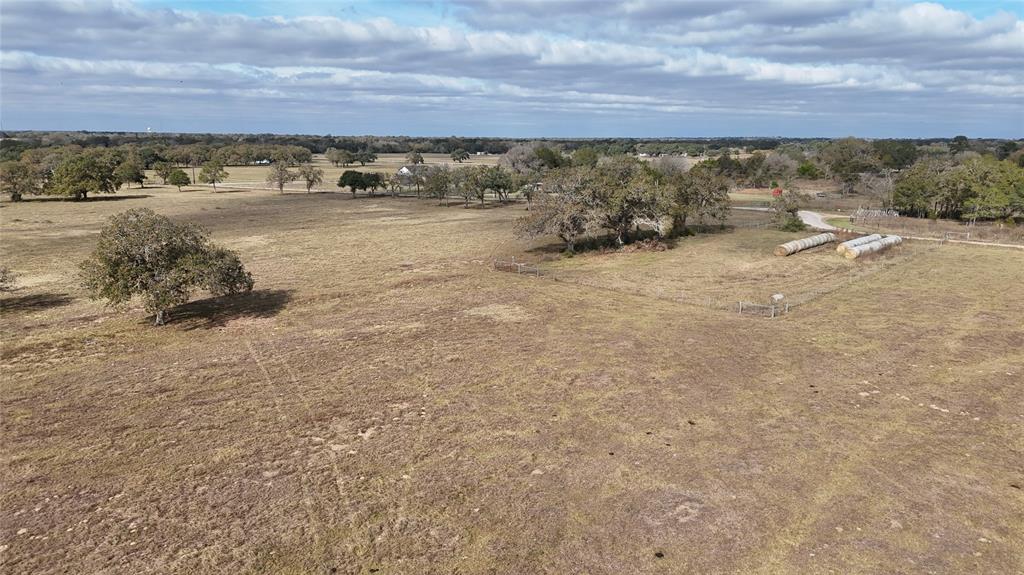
x=870, y=68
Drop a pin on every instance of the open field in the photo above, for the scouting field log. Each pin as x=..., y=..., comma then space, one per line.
x=383, y=402
x=248, y=177
x=726, y=270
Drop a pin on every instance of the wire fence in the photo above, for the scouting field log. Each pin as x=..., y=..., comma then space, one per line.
x=516, y=267
x=773, y=310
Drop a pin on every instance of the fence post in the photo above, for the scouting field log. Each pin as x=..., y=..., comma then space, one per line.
x=773, y=312
x=740, y=305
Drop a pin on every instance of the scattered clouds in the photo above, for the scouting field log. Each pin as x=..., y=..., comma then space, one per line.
x=637, y=68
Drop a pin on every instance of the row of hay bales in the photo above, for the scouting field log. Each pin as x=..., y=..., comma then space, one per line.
x=851, y=248
x=857, y=247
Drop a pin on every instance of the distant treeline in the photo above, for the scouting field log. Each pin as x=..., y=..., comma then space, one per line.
x=954, y=178
x=13, y=143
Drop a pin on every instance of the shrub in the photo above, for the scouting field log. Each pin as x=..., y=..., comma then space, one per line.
x=792, y=224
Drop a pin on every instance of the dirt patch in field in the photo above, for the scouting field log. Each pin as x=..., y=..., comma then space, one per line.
x=500, y=312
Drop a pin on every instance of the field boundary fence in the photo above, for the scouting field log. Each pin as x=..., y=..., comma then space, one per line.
x=512, y=266
x=955, y=236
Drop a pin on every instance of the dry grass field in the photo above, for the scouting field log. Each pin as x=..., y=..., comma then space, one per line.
x=383, y=402
x=254, y=177
x=725, y=267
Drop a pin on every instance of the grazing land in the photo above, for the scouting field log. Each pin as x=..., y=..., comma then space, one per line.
x=384, y=402
x=254, y=177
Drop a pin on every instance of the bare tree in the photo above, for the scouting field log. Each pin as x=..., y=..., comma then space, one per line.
x=280, y=175
x=312, y=175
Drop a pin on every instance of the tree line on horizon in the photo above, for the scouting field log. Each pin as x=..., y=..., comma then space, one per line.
x=958, y=178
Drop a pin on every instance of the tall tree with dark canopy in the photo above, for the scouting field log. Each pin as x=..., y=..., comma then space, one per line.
x=78, y=175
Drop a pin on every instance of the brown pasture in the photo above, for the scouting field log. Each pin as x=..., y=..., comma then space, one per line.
x=384, y=402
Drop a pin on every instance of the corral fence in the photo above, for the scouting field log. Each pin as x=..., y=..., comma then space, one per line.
x=516, y=267
x=873, y=214
x=769, y=311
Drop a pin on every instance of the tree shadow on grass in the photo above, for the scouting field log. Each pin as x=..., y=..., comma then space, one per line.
x=644, y=240
x=218, y=311
x=33, y=302
x=90, y=199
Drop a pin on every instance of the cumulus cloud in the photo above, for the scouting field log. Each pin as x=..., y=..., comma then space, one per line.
x=638, y=67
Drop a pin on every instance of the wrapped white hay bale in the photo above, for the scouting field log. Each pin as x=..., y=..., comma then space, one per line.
x=790, y=248
x=872, y=247
x=842, y=247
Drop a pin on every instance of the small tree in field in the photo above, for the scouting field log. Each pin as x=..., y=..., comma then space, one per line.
x=140, y=253
x=414, y=158
x=352, y=180
x=212, y=172
x=372, y=181
x=364, y=157
x=130, y=171
x=163, y=169
x=438, y=184
x=178, y=178
x=313, y=176
x=280, y=175
x=460, y=155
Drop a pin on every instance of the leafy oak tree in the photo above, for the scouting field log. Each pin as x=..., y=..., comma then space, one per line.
x=212, y=172
x=78, y=175
x=19, y=179
x=140, y=253
x=178, y=178
x=130, y=171
x=564, y=209
x=438, y=184
x=364, y=157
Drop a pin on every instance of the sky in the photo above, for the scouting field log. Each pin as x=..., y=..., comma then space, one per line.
x=517, y=68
